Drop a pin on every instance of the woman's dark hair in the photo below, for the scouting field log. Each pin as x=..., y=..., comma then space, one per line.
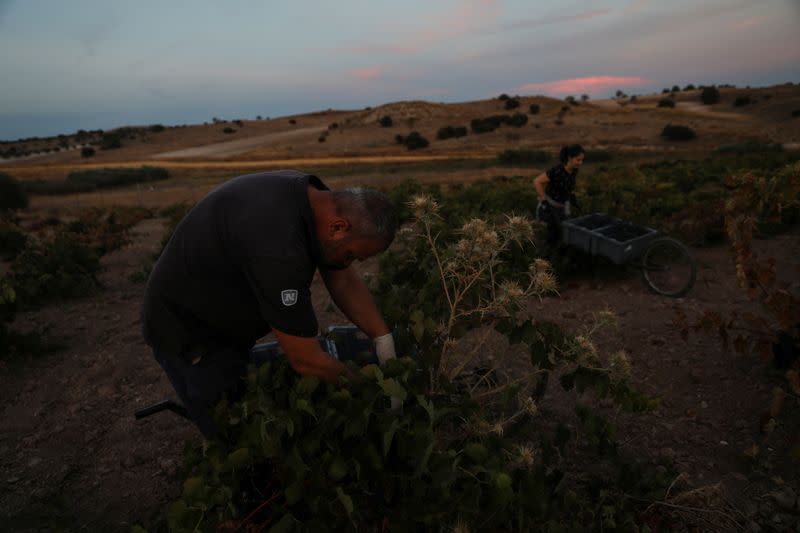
x=570, y=151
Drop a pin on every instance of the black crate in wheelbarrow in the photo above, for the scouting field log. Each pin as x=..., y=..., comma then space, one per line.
x=578, y=232
x=622, y=242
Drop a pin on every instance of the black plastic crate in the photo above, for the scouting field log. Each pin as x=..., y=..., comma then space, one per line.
x=579, y=232
x=345, y=343
x=622, y=242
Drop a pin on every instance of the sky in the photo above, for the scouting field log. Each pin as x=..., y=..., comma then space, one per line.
x=89, y=64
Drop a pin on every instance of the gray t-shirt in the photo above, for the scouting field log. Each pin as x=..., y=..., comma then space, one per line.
x=240, y=263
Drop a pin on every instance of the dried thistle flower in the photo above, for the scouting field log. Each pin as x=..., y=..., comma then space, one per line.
x=607, y=317
x=529, y=404
x=527, y=455
x=586, y=349
x=424, y=207
x=620, y=366
x=544, y=281
x=519, y=229
x=474, y=228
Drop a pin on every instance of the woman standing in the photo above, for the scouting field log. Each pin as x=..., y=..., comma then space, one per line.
x=556, y=189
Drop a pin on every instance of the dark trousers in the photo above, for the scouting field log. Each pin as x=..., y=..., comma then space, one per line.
x=219, y=372
x=552, y=216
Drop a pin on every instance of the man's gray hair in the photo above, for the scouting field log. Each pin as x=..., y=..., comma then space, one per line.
x=371, y=213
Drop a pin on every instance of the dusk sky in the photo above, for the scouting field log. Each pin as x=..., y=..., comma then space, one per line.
x=88, y=64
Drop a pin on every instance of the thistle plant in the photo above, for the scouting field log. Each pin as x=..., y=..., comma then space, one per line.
x=468, y=272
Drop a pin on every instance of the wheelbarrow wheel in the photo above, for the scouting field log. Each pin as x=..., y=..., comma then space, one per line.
x=668, y=267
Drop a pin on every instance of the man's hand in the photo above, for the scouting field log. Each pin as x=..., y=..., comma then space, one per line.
x=308, y=359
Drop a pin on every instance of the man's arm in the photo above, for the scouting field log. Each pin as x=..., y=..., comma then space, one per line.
x=352, y=296
x=308, y=359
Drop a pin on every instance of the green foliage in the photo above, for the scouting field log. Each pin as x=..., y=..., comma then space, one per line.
x=308, y=456
x=517, y=120
x=488, y=124
x=12, y=194
x=95, y=179
x=157, y=128
x=511, y=103
x=523, y=157
x=87, y=151
x=111, y=141
x=709, y=95
x=666, y=102
x=54, y=270
x=534, y=109
x=678, y=133
x=449, y=132
x=385, y=121
x=12, y=240
x=742, y=100
x=413, y=141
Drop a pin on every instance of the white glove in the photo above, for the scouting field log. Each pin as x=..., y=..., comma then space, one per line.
x=384, y=347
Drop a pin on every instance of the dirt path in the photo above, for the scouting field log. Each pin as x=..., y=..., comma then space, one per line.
x=230, y=148
x=72, y=457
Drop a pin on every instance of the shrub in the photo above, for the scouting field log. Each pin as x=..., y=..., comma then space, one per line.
x=571, y=100
x=523, y=157
x=676, y=89
x=385, y=121
x=678, y=133
x=228, y=130
x=689, y=87
x=399, y=139
x=110, y=141
x=415, y=141
x=292, y=121
x=101, y=178
x=517, y=120
x=488, y=124
x=503, y=96
x=333, y=126
x=87, y=151
x=321, y=138
x=12, y=240
x=12, y=194
x=742, y=100
x=666, y=102
x=449, y=132
x=665, y=90
x=534, y=109
x=157, y=128
x=710, y=95
x=511, y=103
x=239, y=123
x=55, y=270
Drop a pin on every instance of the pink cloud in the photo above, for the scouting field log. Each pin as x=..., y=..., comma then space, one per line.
x=592, y=85
x=368, y=73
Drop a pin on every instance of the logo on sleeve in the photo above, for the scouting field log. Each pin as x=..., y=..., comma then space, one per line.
x=289, y=297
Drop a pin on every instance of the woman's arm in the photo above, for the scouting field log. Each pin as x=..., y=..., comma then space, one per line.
x=540, y=183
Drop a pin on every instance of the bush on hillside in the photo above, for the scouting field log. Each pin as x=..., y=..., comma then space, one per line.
x=12, y=194
x=111, y=141
x=87, y=151
x=678, y=133
x=449, y=132
x=710, y=95
x=517, y=120
x=512, y=103
x=415, y=141
x=742, y=100
x=666, y=102
x=385, y=121
x=534, y=109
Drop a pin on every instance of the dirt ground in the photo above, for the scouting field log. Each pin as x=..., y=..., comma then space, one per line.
x=72, y=456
